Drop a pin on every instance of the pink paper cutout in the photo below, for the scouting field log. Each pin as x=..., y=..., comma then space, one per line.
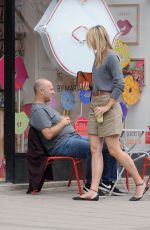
x=21, y=73
x=26, y=108
x=125, y=26
x=139, y=64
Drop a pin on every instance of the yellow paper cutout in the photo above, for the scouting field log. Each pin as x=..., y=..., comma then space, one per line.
x=131, y=93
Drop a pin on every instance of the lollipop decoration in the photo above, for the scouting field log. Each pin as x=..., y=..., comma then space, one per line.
x=123, y=51
x=136, y=69
x=21, y=73
x=67, y=101
x=124, y=110
x=81, y=126
x=131, y=93
x=85, y=96
x=21, y=122
x=26, y=108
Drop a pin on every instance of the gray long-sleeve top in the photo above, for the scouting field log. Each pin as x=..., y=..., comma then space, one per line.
x=108, y=76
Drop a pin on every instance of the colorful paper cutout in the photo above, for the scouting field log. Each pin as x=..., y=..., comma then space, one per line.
x=81, y=126
x=21, y=122
x=67, y=100
x=21, y=72
x=26, y=108
x=124, y=110
x=136, y=69
x=125, y=26
x=131, y=93
x=123, y=51
x=85, y=96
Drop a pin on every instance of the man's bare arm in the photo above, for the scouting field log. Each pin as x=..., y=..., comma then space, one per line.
x=50, y=133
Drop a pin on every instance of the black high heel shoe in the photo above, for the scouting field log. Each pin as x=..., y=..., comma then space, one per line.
x=134, y=198
x=94, y=198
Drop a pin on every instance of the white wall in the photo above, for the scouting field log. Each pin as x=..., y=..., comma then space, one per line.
x=38, y=65
x=139, y=114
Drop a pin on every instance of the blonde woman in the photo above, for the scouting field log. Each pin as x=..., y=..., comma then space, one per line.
x=105, y=116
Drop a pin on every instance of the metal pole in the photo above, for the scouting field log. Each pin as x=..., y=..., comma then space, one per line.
x=9, y=89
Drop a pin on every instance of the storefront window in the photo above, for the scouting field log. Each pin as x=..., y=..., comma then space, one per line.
x=32, y=61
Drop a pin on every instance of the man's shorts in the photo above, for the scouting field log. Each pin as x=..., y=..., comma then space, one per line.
x=112, y=119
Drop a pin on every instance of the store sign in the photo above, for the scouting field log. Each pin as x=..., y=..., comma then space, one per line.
x=134, y=136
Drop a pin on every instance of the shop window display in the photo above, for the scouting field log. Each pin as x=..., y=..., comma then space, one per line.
x=20, y=77
x=28, y=14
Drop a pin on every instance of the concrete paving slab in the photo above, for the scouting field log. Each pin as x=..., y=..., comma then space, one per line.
x=54, y=209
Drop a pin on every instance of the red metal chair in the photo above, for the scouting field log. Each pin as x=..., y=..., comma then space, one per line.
x=37, y=158
x=75, y=162
x=146, y=164
x=127, y=181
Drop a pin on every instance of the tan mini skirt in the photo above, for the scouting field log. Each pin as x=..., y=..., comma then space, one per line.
x=112, y=119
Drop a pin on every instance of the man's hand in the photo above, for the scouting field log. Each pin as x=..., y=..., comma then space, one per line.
x=65, y=121
x=53, y=131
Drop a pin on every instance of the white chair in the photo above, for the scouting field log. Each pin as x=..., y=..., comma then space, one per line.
x=135, y=154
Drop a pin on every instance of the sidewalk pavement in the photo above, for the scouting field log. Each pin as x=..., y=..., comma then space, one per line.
x=54, y=209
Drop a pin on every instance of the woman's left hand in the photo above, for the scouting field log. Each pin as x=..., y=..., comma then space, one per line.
x=100, y=110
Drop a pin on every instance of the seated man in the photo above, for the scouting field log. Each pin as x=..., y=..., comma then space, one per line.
x=57, y=134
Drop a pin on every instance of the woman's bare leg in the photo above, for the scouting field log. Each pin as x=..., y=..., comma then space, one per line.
x=96, y=145
x=124, y=159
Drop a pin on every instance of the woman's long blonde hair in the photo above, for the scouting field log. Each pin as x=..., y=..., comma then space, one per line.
x=98, y=39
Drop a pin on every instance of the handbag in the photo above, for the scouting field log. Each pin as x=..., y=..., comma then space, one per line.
x=82, y=78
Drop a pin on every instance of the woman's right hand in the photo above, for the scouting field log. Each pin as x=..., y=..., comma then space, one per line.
x=85, y=85
x=100, y=110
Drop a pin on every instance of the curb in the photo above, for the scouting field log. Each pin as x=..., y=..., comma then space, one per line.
x=51, y=185
x=56, y=184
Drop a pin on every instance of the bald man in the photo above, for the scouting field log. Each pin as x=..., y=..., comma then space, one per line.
x=56, y=132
